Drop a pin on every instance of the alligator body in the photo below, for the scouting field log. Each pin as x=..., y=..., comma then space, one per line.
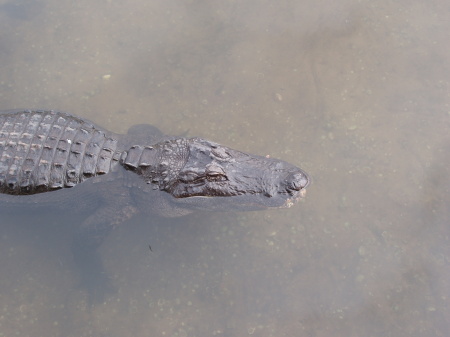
x=54, y=158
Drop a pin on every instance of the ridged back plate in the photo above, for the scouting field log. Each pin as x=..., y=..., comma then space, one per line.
x=42, y=151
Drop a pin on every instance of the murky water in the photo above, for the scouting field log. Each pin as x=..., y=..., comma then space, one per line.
x=355, y=92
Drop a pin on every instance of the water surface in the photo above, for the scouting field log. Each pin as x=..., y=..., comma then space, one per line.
x=356, y=93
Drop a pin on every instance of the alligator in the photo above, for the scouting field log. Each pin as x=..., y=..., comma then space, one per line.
x=63, y=161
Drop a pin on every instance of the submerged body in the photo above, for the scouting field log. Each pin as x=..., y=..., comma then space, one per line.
x=54, y=158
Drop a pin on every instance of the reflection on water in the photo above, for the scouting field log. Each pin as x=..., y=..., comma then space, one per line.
x=356, y=93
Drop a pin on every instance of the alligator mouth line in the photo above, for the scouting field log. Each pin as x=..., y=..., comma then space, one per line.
x=292, y=201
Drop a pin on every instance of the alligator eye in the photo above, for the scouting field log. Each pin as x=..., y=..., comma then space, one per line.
x=189, y=177
x=215, y=173
x=216, y=177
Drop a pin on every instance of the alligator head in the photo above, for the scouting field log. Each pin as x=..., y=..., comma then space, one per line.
x=204, y=175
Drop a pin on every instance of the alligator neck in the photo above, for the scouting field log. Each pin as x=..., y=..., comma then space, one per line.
x=157, y=164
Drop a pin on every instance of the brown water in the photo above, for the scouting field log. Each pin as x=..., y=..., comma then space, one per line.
x=355, y=92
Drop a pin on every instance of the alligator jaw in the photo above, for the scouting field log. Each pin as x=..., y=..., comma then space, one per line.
x=292, y=201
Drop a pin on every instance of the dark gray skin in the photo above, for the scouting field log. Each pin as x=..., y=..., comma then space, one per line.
x=57, y=159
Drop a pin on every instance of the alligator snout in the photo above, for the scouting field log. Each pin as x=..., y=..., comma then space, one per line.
x=297, y=181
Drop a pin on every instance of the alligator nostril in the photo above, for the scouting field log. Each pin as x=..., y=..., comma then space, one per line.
x=297, y=181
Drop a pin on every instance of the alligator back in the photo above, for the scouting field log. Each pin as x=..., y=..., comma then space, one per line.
x=42, y=151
